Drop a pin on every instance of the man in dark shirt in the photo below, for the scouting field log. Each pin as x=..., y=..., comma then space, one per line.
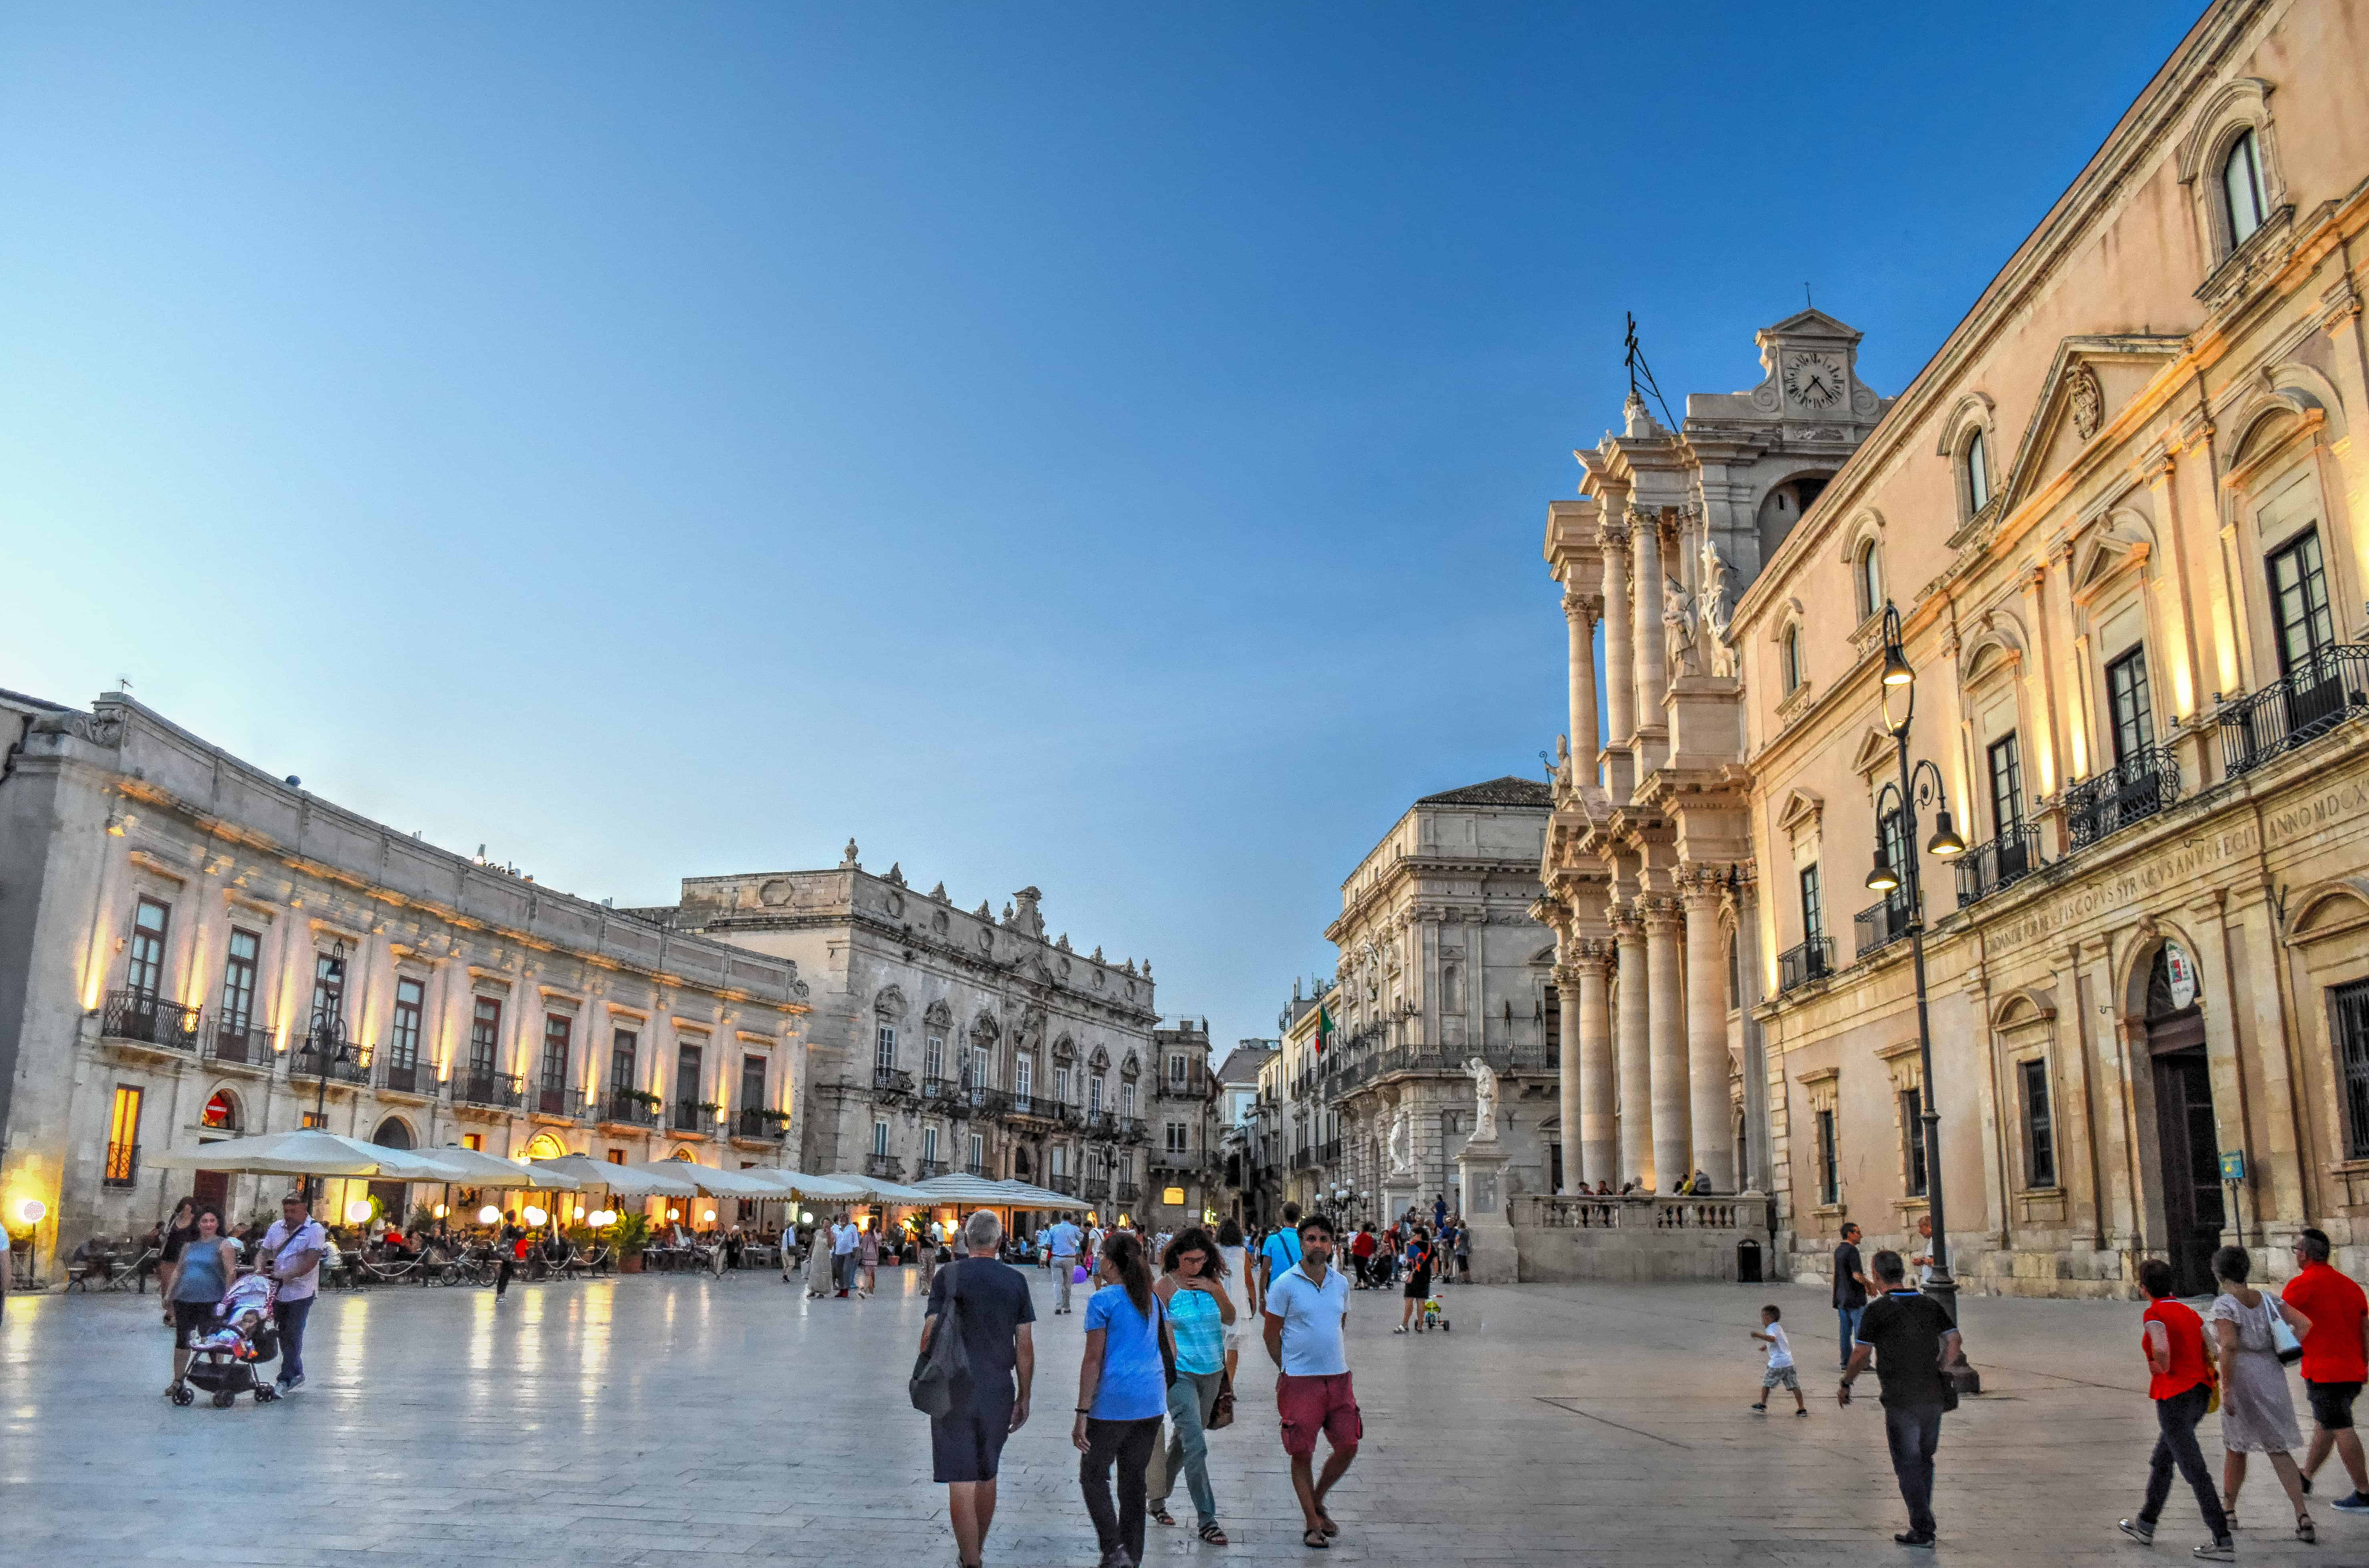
x=966, y=1442
x=1850, y=1289
x=1912, y=1339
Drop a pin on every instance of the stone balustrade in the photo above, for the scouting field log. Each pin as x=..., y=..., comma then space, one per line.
x=1635, y=1236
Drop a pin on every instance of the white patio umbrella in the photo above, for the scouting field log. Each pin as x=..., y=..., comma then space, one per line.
x=306, y=1152
x=984, y=1192
x=786, y=1182
x=1027, y=1196
x=710, y=1179
x=480, y=1168
x=880, y=1191
x=581, y=1172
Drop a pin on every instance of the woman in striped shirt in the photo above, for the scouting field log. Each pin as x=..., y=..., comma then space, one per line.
x=1192, y=1289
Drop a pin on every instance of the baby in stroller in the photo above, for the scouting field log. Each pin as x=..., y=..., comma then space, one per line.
x=223, y=1359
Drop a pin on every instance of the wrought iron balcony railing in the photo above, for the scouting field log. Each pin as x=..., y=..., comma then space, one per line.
x=408, y=1076
x=1127, y=1192
x=2137, y=788
x=1096, y=1187
x=690, y=1116
x=122, y=1168
x=887, y=1167
x=239, y=1040
x=147, y=1018
x=497, y=1091
x=1883, y=924
x=2320, y=692
x=1797, y=966
x=1063, y=1182
x=557, y=1100
x=757, y=1124
x=2002, y=863
x=928, y=1168
x=349, y=1064
x=620, y=1110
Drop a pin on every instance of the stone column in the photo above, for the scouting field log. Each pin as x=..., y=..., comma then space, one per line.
x=1652, y=670
x=1597, y=1135
x=1619, y=650
x=1584, y=742
x=1673, y=1108
x=1567, y=1049
x=1636, y=1066
x=1706, y=1031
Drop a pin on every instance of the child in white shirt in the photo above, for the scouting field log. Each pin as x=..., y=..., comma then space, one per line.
x=1780, y=1362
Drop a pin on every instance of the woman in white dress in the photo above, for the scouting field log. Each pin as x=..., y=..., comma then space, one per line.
x=818, y=1262
x=2256, y=1410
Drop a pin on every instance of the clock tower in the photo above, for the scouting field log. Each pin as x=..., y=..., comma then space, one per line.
x=1811, y=361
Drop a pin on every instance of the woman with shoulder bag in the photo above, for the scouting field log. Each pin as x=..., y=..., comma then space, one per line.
x=1122, y=1391
x=1191, y=1287
x=2256, y=1410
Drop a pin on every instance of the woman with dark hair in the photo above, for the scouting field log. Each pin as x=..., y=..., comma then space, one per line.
x=2256, y=1410
x=1418, y=1262
x=204, y=1271
x=1122, y=1391
x=1192, y=1293
x=1233, y=1260
x=171, y=1237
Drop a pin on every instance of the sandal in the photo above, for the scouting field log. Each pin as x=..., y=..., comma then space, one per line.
x=1401, y=1329
x=1314, y=1539
x=1212, y=1534
x=1159, y=1515
x=2304, y=1532
x=1329, y=1527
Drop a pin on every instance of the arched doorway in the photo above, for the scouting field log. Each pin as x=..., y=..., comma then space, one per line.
x=393, y=1133
x=2187, y=1144
x=219, y=1120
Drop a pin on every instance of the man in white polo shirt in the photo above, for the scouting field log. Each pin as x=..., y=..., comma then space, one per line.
x=1307, y=1308
x=1061, y=1242
x=291, y=1253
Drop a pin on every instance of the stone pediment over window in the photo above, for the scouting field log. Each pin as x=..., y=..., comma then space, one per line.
x=1100, y=1060
x=1800, y=813
x=2092, y=380
x=1065, y=1050
x=939, y=1015
x=1131, y=1068
x=1875, y=751
x=890, y=1003
x=2117, y=544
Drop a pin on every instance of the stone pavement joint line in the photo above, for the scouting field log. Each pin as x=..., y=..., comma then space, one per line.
x=663, y=1420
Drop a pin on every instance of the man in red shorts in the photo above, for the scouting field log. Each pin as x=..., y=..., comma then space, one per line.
x=1307, y=1308
x=2335, y=1362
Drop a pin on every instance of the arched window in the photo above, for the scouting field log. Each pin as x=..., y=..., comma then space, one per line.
x=1869, y=573
x=2241, y=182
x=222, y=1112
x=1790, y=651
x=1978, y=474
x=393, y=1133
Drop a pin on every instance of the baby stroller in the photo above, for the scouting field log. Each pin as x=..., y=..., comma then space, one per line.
x=223, y=1359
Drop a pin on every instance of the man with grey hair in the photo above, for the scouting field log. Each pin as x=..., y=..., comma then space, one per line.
x=992, y=1401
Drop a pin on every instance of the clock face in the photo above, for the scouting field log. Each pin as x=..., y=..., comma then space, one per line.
x=1814, y=381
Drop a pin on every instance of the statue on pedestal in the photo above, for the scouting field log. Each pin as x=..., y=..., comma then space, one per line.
x=1484, y=1095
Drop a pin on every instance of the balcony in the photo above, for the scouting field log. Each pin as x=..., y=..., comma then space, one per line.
x=891, y=1085
x=1180, y=1160
x=1797, y=966
x=989, y=1102
x=2308, y=701
x=2137, y=788
x=1030, y=1108
x=1329, y=1153
x=977, y=1167
x=692, y=1115
x=884, y=1167
x=1133, y=1129
x=1102, y=1125
x=623, y=1110
x=493, y=1091
x=1128, y=1193
x=345, y=1064
x=148, y=1019
x=2004, y=862
x=406, y=1077
x=556, y=1100
x=1096, y=1188
x=1886, y=923
x=242, y=1043
x=1194, y=1086
x=1064, y=1183
x=944, y=1095
x=1303, y=1159
x=122, y=1166
x=928, y=1168
x=762, y=1126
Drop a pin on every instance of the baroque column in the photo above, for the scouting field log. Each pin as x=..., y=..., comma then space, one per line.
x=1673, y=1142
x=1707, y=1031
x=1584, y=743
x=1636, y=1069
x=1652, y=653
x=1619, y=651
x=1598, y=1135
x=1567, y=1049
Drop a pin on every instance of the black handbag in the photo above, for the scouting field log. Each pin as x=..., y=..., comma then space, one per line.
x=936, y=1369
x=1167, y=1350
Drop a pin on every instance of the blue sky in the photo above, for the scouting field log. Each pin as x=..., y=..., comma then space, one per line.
x=1102, y=448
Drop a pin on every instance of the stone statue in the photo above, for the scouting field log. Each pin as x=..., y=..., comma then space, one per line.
x=1484, y=1095
x=1402, y=1142
x=1714, y=610
x=1678, y=630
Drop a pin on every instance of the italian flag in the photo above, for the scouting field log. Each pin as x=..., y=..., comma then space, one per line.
x=1323, y=1026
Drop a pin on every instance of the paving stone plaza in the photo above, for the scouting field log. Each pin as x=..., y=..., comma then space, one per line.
x=682, y=1420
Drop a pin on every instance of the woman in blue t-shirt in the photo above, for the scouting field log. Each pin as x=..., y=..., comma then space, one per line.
x=1122, y=1394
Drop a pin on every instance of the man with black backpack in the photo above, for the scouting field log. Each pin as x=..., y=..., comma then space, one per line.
x=981, y=1376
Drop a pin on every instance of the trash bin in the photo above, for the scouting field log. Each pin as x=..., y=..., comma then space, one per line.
x=1747, y=1262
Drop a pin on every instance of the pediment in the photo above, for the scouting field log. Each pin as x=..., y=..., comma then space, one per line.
x=1803, y=808
x=2121, y=544
x=1875, y=751
x=2092, y=380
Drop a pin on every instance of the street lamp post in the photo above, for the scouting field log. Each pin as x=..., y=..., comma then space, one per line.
x=1919, y=784
x=326, y=1042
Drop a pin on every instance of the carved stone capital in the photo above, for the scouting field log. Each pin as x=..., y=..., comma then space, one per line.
x=1581, y=610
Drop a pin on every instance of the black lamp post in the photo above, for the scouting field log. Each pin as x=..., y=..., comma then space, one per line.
x=327, y=1043
x=1921, y=784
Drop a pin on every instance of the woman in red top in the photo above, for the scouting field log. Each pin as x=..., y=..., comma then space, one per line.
x=2181, y=1382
